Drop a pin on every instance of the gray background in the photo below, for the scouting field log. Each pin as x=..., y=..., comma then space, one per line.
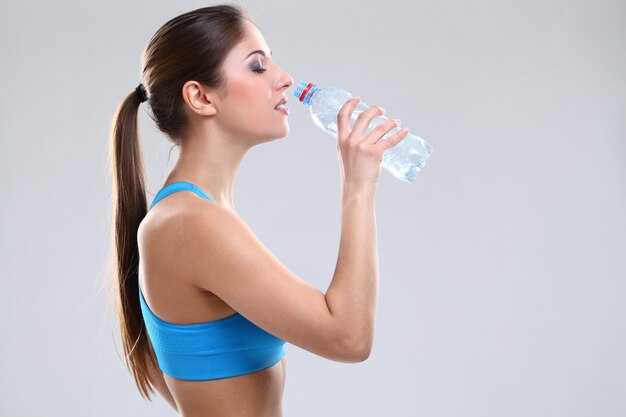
x=502, y=266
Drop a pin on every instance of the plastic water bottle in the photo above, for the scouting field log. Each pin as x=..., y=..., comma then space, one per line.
x=404, y=161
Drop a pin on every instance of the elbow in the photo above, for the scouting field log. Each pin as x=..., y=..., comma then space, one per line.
x=363, y=353
x=359, y=351
x=353, y=348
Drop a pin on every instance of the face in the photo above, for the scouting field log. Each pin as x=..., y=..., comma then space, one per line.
x=255, y=84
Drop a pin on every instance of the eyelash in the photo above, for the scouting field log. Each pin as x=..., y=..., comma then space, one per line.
x=259, y=70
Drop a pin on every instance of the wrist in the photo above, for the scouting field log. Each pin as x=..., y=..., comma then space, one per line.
x=358, y=193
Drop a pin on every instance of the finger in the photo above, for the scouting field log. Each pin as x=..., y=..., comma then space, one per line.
x=381, y=130
x=343, y=118
x=365, y=118
x=393, y=140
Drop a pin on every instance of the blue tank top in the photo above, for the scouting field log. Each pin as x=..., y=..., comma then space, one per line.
x=216, y=349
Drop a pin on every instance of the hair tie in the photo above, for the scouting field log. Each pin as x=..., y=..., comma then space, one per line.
x=141, y=93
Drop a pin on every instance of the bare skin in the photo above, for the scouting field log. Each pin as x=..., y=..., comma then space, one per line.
x=173, y=297
x=221, y=131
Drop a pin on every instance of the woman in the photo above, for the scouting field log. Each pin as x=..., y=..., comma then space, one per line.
x=204, y=307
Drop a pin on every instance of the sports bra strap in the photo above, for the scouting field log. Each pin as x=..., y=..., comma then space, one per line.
x=178, y=186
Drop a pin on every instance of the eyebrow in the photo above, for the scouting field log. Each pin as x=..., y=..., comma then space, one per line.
x=258, y=51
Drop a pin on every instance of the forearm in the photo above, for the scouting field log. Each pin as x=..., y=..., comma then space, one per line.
x=353, y=293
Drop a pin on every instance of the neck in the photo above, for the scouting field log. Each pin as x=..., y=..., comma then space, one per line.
x=211, y=165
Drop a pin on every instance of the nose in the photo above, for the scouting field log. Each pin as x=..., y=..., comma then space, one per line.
x=286, y=80
x=290, y=79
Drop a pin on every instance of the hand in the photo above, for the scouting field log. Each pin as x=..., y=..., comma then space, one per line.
x=360, y=156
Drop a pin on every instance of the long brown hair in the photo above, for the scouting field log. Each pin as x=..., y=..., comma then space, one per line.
x=191, y=46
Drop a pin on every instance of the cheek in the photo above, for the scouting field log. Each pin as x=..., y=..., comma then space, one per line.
x=248, y=106
x=241, y=89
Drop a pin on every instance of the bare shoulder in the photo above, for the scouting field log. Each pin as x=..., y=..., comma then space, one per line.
x=161, y=226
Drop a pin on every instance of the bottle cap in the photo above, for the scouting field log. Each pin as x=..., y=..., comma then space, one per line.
x=305, y=91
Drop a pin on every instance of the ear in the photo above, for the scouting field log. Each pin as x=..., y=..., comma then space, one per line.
x=199, y=98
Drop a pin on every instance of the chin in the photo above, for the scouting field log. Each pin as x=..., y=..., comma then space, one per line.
x=273, y=136
x=282, y=132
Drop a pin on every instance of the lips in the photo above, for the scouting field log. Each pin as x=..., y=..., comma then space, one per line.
x=282, y=101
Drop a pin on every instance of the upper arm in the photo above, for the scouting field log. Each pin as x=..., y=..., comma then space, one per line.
x=223, y=256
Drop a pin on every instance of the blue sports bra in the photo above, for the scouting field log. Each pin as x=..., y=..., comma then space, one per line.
x=222, y=348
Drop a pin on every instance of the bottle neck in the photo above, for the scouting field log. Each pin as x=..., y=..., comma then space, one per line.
x=309, y=95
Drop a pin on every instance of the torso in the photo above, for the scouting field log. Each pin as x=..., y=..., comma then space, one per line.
x=173, y=298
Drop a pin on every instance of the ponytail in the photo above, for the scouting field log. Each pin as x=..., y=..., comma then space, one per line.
x=129, y=209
